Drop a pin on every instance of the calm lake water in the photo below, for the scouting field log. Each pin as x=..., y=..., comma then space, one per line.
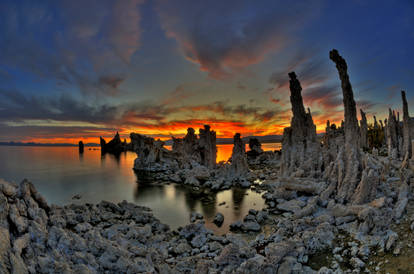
x=59, y=173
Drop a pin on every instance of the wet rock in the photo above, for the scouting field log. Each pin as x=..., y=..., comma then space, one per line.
x=192, y=181
x=194, y=216
x=249, y=217
x=218, y=219
x=251, y=226
x=236, y=225
x=262, y=216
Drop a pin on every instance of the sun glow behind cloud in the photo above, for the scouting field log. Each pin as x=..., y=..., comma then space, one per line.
x=159, y=67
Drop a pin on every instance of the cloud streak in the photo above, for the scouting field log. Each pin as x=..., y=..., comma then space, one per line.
x=52, y=113
x=87, y=44
x=226, y=37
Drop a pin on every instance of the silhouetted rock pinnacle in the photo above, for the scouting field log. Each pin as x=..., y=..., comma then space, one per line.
x=351, y=121
x=406, y=128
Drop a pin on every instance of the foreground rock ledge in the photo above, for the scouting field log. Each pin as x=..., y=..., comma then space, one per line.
x=126, y=238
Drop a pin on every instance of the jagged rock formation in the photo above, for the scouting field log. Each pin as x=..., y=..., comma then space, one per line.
x=376, y=138
x=152, y=156
x=238, y=158
x=351, y=123
x=352, y=185
x=81, y=147
x=363, y=129
x=393, y=136
x=115, y=146
x=407, y=149
x=192, y=149
x=300, y=148
x=333, y=140
x=376, y=125
x=207, y=146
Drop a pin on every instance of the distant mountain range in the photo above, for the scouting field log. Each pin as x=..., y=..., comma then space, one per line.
x=220, y=141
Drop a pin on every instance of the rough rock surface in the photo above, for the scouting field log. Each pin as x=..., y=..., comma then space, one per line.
x=238, y=158
x=300, y=149
x=407, y=149
x=192, y=149
x=152, y=156
x=208, y=148
x=394, y=138
x=346, y=171
x=363, y=130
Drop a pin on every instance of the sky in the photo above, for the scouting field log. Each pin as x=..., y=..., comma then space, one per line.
x=72, y=70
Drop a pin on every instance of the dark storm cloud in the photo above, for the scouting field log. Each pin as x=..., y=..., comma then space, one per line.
x=18, y=109
x=15, y=106
x=225, y=37
x=83, y=43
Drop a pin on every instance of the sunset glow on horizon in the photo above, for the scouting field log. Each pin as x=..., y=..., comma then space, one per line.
x=78, y=70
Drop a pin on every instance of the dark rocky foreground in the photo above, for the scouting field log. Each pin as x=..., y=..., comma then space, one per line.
x=288, y=237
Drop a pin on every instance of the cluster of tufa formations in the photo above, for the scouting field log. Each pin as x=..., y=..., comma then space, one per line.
x=345, y=195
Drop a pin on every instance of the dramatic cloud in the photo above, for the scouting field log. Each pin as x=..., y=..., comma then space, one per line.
x=97, y=66
x=225, y=37
x=87, y=44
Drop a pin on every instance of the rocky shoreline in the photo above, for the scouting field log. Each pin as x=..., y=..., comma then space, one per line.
x=124, y=237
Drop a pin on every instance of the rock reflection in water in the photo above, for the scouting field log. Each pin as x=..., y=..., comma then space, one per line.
x=173, y=203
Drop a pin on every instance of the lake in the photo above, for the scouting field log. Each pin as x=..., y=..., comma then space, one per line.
x=59, y=173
